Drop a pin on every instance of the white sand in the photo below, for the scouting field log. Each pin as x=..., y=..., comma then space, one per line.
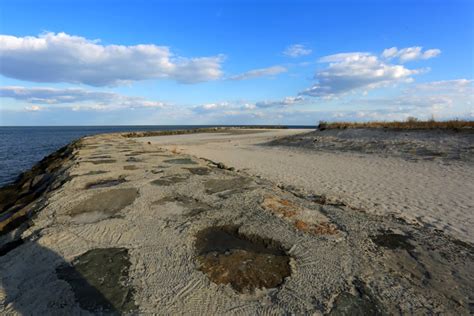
x=427, y=192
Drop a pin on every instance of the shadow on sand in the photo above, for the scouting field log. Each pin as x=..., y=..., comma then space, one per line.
x=38, y=281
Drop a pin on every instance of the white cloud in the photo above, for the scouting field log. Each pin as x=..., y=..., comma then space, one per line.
x=297, y=50
x=211, y=107
x=356, y=71
x=457, y=85
x=59, y=57
x=410, y=53
x=288, y=101
x=255, y=73
x=441, y=99
x=390, y=52
x=335, y=58
x=33, y=108
x=246, y=107
x=77, y=97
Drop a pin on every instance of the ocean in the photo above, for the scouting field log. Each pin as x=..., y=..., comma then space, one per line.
x=22, y=147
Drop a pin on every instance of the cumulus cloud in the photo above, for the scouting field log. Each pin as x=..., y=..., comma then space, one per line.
x=453, y=86
x=98, y=100
x=227, y=112
x=33, y=108
x=211, y=107
x=297, y=50
x=255, y=73
x=441, y=99
x=356, y=71
x=288, y=101
x=60, y=57
x=245, y=107
x=410, y=53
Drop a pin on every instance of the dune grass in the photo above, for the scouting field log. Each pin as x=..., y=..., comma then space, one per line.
x=410, y=123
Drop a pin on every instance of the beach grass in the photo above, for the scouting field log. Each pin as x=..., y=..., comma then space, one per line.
x=410, y=123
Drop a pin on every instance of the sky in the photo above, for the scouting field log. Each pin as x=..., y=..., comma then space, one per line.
x=234, y=62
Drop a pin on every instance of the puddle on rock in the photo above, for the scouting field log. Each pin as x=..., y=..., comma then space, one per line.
x=103, y=205
x=170, y=180
x=99, y=280
x=392, y=241
x=246, y=263
x=181, y=161
x=219, y=185
x=105, y=183
x=201, y=171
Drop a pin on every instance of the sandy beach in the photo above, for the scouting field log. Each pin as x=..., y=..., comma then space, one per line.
x=432, y=193
x=226, y=223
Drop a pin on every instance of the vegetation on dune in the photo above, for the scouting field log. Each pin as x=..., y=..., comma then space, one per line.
x=410, y=123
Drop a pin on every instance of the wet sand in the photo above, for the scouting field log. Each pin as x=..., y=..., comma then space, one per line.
x=126, y=227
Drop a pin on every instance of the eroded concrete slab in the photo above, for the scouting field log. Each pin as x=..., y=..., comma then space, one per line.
x=193, y=205
x=170, y=180
x=105, y=183
x=103, y=205
x=201, y=171
x=181, y=161
x=219, y=185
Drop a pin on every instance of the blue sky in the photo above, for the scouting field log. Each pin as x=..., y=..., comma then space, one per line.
x=234, y=62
